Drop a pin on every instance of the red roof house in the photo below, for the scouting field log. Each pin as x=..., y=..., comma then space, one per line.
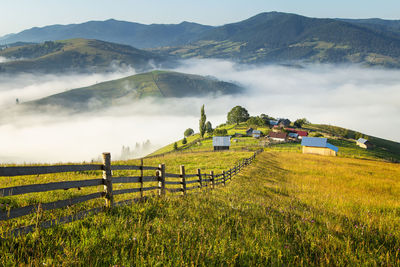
x=278, y=136
x=302, y=134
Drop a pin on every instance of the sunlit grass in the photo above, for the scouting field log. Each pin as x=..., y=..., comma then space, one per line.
x=220, y=161
x=285, y=209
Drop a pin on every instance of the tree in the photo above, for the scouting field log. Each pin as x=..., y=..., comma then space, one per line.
x=220, y=132
x=300, y=122
x=175, y=146
x=209, y=128
x=202, y=123
x=184, y=141
x=255, y=121
x=237, y=115
x=188, y=132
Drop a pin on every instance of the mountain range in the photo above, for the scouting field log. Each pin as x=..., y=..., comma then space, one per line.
x=271, y=37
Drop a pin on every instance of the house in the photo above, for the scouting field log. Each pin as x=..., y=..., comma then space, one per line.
x=249, y=132
x=273, y=123
x=278, y=136
x=302, y=134
x=221, y=142
x=284, y=122
x=293, y=135
x=364, y=143
x=257, y=133
x=320, y=146
x=290, y=130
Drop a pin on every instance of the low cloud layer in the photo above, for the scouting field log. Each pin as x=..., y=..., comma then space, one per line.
x=366, y=100
x=27, y=87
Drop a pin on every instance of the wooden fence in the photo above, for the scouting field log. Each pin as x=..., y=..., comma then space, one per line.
x=185, y=183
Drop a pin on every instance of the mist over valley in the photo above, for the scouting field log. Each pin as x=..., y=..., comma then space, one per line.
x=350, y=96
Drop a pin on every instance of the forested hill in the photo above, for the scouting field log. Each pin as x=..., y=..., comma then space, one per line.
x=271, y=37
x=81, y=55
x=281, y=37
x=159, y=84
x=123, y=32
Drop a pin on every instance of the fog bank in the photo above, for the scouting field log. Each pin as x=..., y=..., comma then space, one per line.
x=365, y=100
x=27, y=87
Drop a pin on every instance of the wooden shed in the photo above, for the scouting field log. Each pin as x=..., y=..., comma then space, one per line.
x=319, y=146
x=221, y=142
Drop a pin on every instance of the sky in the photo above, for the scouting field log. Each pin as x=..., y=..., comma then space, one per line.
x=18, y=15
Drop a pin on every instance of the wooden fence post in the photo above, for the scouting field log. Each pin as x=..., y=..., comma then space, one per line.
x=223, y=177
x=107, y=176
x=141, y=178
x=200, y=179
x=212, y=180
x=161, y=179
x=183, y=179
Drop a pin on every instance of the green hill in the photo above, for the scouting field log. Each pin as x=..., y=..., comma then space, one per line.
x=76, y=55
x=281, y=37
x=385, y=150
x=152, y=84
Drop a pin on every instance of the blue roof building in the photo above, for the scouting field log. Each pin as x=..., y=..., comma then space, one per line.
x=256, y=133
x=320, y=146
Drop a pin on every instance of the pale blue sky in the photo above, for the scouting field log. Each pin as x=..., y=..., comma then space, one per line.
x=17, y=15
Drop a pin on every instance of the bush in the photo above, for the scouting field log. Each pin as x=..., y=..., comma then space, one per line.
x=220, y=132
x=255, y=121
x=188, y=132
x=175, y=146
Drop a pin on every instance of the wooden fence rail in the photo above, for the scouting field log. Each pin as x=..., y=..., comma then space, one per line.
x=201, y=180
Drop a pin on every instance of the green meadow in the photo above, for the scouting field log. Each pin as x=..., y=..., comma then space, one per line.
x=284, y=209
x=287, y=208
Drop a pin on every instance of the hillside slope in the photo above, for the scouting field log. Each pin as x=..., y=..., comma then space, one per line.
x=281, y=37
x=265, y=38
x=392, y=26
x=123, y=32
x=76, y=55
x=126, y=90
x=284, y=209
x=344, y=139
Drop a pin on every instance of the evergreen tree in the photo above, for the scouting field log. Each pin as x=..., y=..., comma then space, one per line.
x=202, y=126
x=209, y=128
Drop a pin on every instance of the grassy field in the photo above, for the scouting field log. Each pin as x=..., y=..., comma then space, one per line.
x=384, y=149
x=285, y=209
x=224, y=161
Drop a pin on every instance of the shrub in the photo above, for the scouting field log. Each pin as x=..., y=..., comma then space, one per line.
x=220, y=132
x=188, y=132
